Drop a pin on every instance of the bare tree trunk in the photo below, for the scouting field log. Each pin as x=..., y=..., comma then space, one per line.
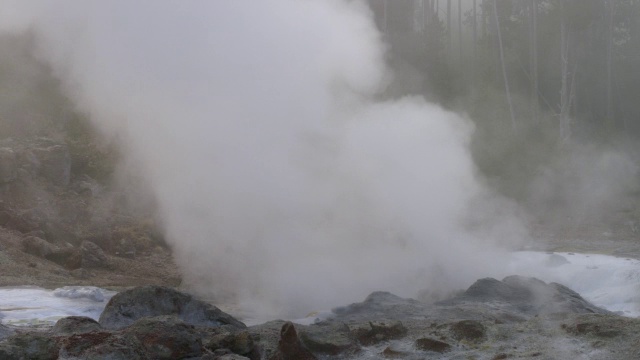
x=460, y=30
x=533, y=63
x=504, y=69
x=565, y=125
x=449, y=35
x=609, y=88
x=484, y=19
x=474, y=23
x=418, y=16
x=424, y=14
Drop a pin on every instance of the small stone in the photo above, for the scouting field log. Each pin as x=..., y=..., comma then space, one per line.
x=469, y=330
x=75, y=325
x=428, y=344
x=290, y=347
x=375, y=332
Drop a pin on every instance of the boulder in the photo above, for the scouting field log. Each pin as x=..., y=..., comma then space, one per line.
x=391, y=353
x=290, y=347
x=38, y=346
x=68, y=257
x=101, y=345
x=266, y=337
x=328, y=338
x=382, y=304
x=148, y=301
x=93, y=256
x=166, y=337
x=525, y=295
x=8, y=166
x=38, y=247
x=225, y=337
x=75, y=325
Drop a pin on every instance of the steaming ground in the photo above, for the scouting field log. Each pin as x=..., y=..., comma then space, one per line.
x=282, y=182
x=606, y=281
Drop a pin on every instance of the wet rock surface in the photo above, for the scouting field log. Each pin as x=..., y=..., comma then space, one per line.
x=491, y=320
x=73, y=325
x=148, y=301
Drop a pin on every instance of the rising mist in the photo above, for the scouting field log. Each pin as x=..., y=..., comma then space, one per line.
x=282, y=182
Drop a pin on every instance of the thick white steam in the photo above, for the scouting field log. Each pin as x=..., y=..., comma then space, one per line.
x=281, y=181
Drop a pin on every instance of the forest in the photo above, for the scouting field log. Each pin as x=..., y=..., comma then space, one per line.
x=541, y=79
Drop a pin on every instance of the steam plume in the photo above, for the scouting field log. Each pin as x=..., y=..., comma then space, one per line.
x=281, y=181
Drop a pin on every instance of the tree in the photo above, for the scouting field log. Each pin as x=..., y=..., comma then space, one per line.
x=533, y=60
x=502, y=64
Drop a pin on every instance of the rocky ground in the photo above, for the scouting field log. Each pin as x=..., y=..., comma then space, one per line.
x=516, y=318
x=60, y=225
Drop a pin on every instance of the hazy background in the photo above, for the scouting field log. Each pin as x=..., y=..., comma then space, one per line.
x=289, y=147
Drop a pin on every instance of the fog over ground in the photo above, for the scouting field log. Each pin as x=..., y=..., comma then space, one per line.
x=282, y=182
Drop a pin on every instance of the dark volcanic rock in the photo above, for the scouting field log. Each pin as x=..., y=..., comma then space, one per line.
x=375, y=332
x=68, y=257
x=383, y=326
x=75, y=325
x=148, y=301
x=93, y=256
x=266, y=337
x=290, y=347
x=428, y=344
x=224, y=357
x=383, y=304
x=166, y=337
x=102, y=345
x=390, y=353
x=328, y=338
x=36, y=346
x=529, y=296
x=38, y=247
x=469, y=330
x=230, y=338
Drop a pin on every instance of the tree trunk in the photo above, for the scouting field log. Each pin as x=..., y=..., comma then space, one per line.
x=533, y=63
x=449, y=35
x=474, y=23
x=460, y=30
x=609, y=87
x=504, y=69
x=484, y=20
x=565, y=125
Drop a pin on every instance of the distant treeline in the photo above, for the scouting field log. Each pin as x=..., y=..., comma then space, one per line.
x=570, y=65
